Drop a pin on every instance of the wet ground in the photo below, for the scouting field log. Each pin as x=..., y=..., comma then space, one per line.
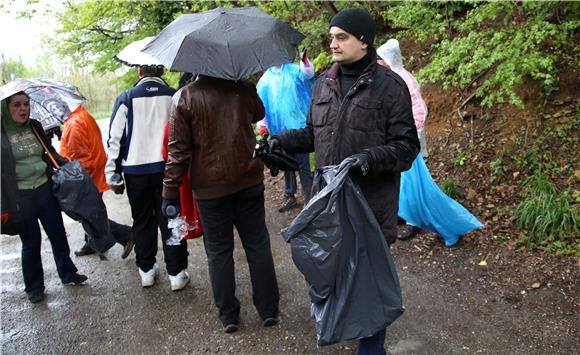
x=453, y=305
x=112, y=314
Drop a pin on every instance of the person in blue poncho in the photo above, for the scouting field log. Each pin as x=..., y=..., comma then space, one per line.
x=421, y=202
x=285, y=91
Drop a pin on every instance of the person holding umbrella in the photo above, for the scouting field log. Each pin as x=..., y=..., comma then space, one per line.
x=211, y=137
x=81, y=140
x=27, y=196
x=362, y=111
x=134, y=150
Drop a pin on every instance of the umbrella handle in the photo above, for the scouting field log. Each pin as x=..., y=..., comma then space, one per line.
x=46, y=151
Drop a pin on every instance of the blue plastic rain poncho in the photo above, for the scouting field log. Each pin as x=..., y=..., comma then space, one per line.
x=423, y=204
x=285, y=92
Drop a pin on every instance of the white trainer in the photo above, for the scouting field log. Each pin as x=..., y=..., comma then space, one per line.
x=148, y=278
x=179, y=281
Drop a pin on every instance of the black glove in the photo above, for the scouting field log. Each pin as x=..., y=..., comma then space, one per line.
x=170, y=208
x=274, y=144
x=362, y=163
x=117, y=184
x=118, y=189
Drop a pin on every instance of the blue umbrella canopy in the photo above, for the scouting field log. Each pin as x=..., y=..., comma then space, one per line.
x=51, y=101
x=225, y=43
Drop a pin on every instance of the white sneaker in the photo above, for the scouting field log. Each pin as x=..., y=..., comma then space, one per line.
x=179, y=281
x=148, y=278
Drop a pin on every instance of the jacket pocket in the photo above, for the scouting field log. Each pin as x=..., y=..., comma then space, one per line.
x=365, y=115
x=320, y=110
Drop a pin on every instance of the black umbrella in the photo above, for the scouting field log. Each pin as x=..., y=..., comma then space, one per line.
x=225, y=43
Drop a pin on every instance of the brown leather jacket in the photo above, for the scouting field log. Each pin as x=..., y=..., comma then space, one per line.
x=375, y=116
x=211, y=133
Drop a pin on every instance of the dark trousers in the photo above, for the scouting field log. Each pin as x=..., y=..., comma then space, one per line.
x=244, y=210
x=40, y=204
x=121, y=233
x=373, y=345
x=144, y=192
x=305, y=176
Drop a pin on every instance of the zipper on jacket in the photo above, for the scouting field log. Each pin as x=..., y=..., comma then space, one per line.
x=363, y=79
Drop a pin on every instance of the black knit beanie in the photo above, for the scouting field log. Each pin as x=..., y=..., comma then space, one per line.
x=357, y=22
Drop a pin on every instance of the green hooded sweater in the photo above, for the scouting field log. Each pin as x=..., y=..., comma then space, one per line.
x=27, y=152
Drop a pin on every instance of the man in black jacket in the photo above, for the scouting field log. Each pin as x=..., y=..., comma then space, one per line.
x=361, y=110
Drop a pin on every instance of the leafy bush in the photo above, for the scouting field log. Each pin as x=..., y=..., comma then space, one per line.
x=449, y=187
x=492, y=46
x=552, y=222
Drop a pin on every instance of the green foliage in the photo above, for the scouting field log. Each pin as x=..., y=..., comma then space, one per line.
x=449, y=187
x=11, y=69
x=322, y=61
x=459, y=159
x=492, y=46
x=551, y=220
x=497, y=169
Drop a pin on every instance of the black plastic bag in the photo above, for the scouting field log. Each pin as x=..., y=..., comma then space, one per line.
x=80, y=199
x=338, y=245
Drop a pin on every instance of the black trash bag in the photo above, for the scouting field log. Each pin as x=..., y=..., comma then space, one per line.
x=338, y=245
x=80, y=199
x=274, y=159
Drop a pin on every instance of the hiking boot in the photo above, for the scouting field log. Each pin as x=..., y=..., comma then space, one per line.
x=230, y=328
x=288, y=204
x=75, y=280
x=35, y=297
x=179, y=281
x=84, y=250
x=270, y=321
x=407, y=232
x=148, y=277
x=127, y=248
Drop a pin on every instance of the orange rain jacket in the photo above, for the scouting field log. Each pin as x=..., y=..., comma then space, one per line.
x=81, y=140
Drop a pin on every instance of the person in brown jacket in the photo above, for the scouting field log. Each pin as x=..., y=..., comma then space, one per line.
x=211, y=134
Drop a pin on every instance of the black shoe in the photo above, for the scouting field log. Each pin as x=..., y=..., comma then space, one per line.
x=289, y=203
x=231, y=328
x=84, y=250
x=407, y=232
x=270, y=321
x=127, y=248
x=75, y=280
x=35, y=297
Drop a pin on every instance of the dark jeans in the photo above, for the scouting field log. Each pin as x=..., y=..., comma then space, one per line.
x=373, y=345
x=144, y=192
x=244, y=210
x=40, y=204
x=305, y=176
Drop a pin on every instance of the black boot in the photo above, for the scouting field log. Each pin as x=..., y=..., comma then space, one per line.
x=289, y=203
x=407, y=232
x=84, y=250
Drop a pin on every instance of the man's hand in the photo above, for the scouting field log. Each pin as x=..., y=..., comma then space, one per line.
x=274, y=144
x=362, y=163
x=170, y=208
x=118, y=189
